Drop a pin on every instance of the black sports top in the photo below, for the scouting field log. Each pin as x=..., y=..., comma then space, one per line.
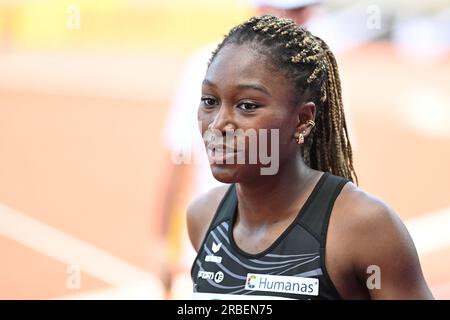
x=292, y=267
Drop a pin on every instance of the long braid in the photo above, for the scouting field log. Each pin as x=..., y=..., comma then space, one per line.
x=309, y=63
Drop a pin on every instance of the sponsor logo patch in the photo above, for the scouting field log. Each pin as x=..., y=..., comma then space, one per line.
x=285, y=284
x=217, y=277
x=213, y=258
x=205, y=275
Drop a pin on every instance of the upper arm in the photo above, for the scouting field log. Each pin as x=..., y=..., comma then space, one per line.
x=200, y=212
x=385, y=259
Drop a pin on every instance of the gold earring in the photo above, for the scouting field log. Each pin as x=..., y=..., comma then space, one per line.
x=311, y=123
x=300, y=138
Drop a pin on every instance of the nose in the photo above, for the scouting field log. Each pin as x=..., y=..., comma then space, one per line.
x=223, y=120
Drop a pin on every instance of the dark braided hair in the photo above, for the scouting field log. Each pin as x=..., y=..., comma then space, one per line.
x=308, y=62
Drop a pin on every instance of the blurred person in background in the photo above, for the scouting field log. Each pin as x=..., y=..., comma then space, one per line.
x=190, y=174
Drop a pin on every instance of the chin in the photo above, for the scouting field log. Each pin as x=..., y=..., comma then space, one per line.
x=236, y=173
x=226, y=173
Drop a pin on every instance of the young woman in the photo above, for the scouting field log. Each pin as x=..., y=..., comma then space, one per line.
x=305, y=231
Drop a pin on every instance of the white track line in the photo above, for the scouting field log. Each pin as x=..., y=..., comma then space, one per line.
x=71, y=251
x=431, y=231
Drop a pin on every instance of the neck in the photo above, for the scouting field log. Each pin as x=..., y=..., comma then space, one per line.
x=260, y=201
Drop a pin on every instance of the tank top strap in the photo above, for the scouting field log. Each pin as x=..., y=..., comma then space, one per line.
x=317, y=214
x=226, y=208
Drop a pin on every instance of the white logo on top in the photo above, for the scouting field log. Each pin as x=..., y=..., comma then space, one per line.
x=207, y=275
x=218, y=277
x=216, y=247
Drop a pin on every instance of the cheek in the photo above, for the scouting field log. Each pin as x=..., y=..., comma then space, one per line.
x=204, y=119
x=274, y=137
x=284, y=140
x=285, y=126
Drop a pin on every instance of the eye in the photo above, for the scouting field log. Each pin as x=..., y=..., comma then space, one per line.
x=208, y=101
x=248, y=106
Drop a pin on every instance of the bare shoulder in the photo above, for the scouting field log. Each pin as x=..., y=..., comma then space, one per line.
x=200, y=212
x=375, y=237
x=369, y=219
x=363, y=210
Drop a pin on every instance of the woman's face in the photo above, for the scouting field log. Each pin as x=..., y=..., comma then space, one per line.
x=243, y=91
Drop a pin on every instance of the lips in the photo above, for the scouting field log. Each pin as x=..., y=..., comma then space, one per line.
x=221, y=153
x=222, y=148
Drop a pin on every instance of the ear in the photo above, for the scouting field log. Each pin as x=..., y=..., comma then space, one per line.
x=305, y=112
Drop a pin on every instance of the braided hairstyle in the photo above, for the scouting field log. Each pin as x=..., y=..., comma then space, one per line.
x=307, y=61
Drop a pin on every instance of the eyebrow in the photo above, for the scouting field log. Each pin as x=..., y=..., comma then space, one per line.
x=209, y=83
x=243, y=86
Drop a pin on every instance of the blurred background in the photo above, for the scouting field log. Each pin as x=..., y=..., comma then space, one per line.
x=91, y=203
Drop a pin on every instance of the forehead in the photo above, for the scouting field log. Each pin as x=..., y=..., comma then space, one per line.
x=241, y=64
